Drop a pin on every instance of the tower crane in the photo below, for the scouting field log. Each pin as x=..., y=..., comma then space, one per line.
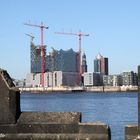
x=31, y=36
x=42, y=27
x=79, y=34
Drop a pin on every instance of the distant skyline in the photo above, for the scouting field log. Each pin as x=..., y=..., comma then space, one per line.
x=113, y=27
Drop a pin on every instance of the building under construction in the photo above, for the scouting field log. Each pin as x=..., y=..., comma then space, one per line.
x=60, y=60
x=64, y=61
x=35, y=55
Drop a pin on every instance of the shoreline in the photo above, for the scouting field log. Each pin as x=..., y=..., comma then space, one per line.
x=97, y=89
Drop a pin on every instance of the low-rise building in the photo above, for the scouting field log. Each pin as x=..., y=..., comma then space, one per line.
x=112, y=80
x=117, y=80
x=129, y=78
x=19, y=83
x=52, y=79
x=33, y=80
x=88, y=79
x=92, y=79
x=108, y=80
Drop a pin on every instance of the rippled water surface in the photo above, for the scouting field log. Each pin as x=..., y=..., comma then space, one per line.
x=114, y=109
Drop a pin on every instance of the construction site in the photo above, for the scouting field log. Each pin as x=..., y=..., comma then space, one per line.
x=66, y=70
x=58, y=67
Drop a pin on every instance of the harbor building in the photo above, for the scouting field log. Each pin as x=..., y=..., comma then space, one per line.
x=92, y=79
x=112, y=80
x=108, y=80
x=129, y=78
x=101, y=64
x=52, y=79
x=33, y=80
x=59, y=78
x=88, y=79
x=117, y=80
x=123, y=79
x=64, y=62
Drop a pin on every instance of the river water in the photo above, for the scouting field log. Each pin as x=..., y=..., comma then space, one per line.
x=114, y=109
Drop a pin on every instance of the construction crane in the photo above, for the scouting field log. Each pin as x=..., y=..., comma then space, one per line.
x=42, y=27
x=79, y=34
x=31, y=36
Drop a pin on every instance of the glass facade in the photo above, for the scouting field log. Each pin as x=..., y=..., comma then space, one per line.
x=57, y=60
x=36, y=58
x=62, y=61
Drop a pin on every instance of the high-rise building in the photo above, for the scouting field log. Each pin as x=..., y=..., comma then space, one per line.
x=101, y=64
x=84, y=63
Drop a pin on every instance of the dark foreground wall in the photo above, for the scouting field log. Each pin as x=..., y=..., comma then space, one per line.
x=16, y=125
x=65, y=126
x=9, y=100
x=132, y=132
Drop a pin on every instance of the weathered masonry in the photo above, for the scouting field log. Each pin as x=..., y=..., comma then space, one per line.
x=132, y=132
x=17, y=125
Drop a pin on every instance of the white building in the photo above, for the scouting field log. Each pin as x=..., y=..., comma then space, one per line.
x=92, y=79
x=88, y=79
x=33, y=79
x=52, y=79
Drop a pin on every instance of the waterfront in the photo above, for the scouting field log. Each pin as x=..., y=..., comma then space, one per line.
x=80, y=88
x=116, y=110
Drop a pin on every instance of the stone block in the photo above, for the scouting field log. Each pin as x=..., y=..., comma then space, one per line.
x=90, y=128
x=9, y=99
x=44, y=136
x=48, y=128
x=49, y=117
x=131, y=132
x=8, y=128
x=95, y=130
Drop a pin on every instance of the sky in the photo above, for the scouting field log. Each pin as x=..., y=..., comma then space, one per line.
x=113, y=27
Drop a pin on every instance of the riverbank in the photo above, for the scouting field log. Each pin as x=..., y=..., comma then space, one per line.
x=81, y=89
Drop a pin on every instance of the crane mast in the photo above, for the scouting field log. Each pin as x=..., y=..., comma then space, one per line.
x=79, y=34
x=42, y=27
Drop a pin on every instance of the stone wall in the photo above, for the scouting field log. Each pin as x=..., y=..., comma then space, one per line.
x=16, y=125
x=9, y=100
x=132, y=132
